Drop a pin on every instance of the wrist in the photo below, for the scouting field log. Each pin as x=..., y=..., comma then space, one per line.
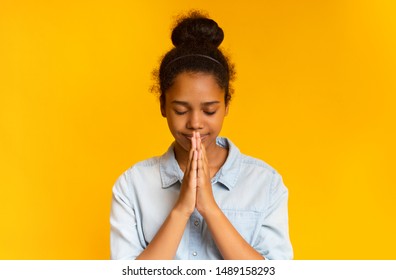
x=210, y=212
x=182, y=212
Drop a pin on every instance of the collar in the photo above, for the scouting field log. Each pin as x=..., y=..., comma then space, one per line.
x=227, y=175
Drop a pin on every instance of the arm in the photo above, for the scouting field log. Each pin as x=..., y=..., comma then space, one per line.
x=228, y=240
x=124, y=240
x=274, y=241
x=165, y=243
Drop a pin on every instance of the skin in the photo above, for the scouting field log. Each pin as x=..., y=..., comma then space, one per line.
x=195, y=102
x=195, y=111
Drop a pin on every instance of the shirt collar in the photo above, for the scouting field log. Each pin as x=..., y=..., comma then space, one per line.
x=227, y=175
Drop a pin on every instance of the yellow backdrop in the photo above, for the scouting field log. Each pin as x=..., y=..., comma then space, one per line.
x=315, y=98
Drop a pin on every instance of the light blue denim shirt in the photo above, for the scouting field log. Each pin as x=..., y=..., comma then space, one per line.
x=249, y=192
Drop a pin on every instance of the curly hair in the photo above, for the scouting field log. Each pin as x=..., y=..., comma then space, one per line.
x=196, y=39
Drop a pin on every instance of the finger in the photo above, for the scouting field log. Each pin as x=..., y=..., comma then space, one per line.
x=191, y=154
x=205, y=163
x=198, y=137
x=190, y=159
x=195, y=155
x=200, y=171
x=200, y=155
x=193, y=169
x=194, y=141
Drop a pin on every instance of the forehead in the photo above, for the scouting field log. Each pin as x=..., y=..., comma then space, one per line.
x=194, y=87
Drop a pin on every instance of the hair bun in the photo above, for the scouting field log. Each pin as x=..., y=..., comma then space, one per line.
x=197, y=30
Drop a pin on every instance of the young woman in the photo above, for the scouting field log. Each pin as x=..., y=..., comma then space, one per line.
x=202, y=199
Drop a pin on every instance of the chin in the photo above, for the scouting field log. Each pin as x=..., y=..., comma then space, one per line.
x=183, y=144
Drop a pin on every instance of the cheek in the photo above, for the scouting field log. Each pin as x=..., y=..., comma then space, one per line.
x=174, y=123
x=217, y=123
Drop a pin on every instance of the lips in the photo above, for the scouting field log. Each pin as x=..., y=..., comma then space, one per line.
x=189, y=136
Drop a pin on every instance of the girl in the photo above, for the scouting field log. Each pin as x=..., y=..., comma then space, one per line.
x=202, y=199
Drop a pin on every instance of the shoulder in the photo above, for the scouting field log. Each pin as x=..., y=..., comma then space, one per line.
x=248, y=163
x=247, y=168
x=144, y=164
x=141, y=170
x=257, y=172
x=257, y=167
x=235, y=156
x=255, y=163
x=141, y=166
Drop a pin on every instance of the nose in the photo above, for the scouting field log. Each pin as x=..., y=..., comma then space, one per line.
x=194, y=121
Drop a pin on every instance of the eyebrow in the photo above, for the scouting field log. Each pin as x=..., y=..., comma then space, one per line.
x=186, y=104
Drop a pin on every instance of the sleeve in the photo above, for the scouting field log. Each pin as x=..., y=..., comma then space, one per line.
x=124, y=237
x=274, y=241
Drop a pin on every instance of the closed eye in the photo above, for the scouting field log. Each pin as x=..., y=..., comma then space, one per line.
x=210, y=112
x=180, y=112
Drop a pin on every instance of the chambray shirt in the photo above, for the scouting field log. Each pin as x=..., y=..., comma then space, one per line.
x=249, y=192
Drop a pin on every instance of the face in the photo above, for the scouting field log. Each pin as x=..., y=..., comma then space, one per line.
x=195, y=102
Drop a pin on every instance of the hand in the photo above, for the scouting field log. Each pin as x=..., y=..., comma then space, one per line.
x=204, y=199
x=188, y=189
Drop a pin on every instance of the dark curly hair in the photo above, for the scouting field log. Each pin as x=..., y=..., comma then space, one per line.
x=196, y=39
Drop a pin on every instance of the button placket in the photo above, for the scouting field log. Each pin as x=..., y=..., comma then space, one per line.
x=196, y=223
x=195, y=243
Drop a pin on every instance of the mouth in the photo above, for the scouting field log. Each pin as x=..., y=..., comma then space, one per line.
x=189, y=136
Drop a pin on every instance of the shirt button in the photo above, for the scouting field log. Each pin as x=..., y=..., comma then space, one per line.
x=194, y=254
x=196, y=223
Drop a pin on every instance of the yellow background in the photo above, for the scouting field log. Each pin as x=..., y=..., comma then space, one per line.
x=314, y=97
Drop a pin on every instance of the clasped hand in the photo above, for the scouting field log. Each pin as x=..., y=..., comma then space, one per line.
x=196, y=189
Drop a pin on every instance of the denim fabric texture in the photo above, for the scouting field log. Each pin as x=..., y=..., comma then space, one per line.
x=249, y=192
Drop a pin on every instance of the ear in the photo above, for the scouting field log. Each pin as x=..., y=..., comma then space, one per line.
x=226, y=110
x=163, y=112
